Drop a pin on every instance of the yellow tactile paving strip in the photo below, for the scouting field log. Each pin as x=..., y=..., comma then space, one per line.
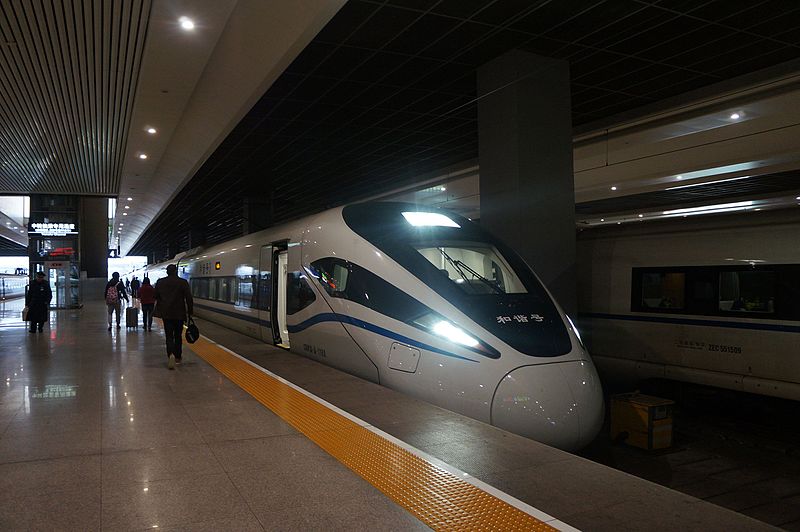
x=435, y=496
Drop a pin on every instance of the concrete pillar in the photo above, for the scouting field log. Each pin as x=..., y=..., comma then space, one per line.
x=257, y=214
x=94, y=237
x=525, y=154
x=197, y=236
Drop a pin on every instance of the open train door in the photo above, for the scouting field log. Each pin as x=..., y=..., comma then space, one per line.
x=280, y=261
x=265, y=294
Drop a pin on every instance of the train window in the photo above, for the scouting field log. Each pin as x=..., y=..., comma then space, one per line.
x=265, y=291
x=244, y=291
x=365, y=288
x=476, y=268
x=299, y=294
x=662, y=290
x=747, y=291
x=225, y=292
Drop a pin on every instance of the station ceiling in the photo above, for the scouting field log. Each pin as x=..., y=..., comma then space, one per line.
x=386, y=92
x=382, y=97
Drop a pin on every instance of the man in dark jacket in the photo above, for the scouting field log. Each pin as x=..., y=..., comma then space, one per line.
x=173, y=303
x=37, y=299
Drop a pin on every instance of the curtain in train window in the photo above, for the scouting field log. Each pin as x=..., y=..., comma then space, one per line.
x=747, y=291
x=663, y=290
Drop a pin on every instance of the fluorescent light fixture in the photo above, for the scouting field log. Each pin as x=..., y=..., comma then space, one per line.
x=429, y=219
x=704, y=208
x=710, y=182
x=447, y=330
x=186, y=23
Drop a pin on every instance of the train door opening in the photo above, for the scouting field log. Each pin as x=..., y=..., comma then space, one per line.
x=264, y=294
x=279, y=283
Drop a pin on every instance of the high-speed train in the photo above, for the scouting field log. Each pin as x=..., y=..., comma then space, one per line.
x=12, y=286
x=712, y=301
x=420, y=300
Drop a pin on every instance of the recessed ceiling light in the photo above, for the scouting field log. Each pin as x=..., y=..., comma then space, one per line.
x=142, y=156
x=678, y=177
x=613, y=188
x=186, y=23
x=798, y=197
x=602, y=219
x=618, y=223
x=151, y=130
x=121, y=224
x=124, y=214
x=735, y=116
x=641, y=216
x=130, y=199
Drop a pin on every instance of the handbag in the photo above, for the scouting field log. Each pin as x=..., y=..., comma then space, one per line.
x=192, y=332
x=25, y=310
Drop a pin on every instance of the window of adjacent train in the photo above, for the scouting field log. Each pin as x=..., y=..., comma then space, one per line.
x=747, y=291
x=663, y=290
x=476, y=268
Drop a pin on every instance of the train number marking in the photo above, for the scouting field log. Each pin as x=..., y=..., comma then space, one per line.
x=735, y=349
x=314, y=350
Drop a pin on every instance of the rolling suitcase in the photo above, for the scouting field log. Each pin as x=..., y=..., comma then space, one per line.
x=132, y=317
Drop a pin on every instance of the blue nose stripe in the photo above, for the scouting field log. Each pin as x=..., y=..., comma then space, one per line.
x=330, y=316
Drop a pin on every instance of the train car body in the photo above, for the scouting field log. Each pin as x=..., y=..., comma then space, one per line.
x=12, y=286
x=421, y=301
x=713, y=302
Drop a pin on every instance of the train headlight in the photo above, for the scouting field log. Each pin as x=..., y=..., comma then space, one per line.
x=445, y=329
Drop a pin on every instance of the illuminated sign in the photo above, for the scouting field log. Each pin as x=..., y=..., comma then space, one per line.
x=52, y=229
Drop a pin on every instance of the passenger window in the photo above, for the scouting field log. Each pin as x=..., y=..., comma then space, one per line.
x=663, y=290
x=747, y=291
x=244, y=292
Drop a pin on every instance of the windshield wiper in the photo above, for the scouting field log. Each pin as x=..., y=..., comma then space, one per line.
x=458, y=265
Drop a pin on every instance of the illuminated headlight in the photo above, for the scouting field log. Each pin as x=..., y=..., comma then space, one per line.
x=429, y=219
x=445, y=329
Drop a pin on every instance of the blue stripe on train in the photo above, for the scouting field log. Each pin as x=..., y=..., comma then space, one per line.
x=320, y=318
x=701, y=322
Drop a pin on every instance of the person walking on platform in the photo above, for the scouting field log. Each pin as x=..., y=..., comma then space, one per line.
x=135, y=285
x=114, y=294
x=174, y=303
x=37, y=299
x=147, y=297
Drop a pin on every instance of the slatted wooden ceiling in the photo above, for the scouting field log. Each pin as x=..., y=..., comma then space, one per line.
x=68, y=75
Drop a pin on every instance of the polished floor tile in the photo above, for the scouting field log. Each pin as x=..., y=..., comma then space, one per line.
x=97, y=434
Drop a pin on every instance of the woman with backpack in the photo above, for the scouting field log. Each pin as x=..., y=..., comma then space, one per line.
x=114, y=294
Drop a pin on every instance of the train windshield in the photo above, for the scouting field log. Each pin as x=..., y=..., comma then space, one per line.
x=470, y=268
x=474, y=267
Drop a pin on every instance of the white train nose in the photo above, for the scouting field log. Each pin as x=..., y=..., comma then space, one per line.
x=559, y=404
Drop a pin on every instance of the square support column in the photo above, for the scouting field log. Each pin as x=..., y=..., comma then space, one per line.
x=525, y=154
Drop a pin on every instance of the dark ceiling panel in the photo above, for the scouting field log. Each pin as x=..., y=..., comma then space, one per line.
x=386, y=93
x=11, y=249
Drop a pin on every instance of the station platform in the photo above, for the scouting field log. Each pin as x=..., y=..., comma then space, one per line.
x=97, y=434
